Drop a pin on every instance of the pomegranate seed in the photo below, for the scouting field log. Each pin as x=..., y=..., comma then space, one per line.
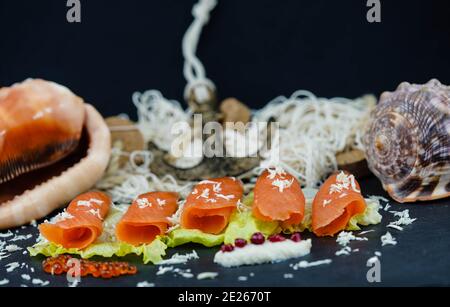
x=240, y=242
x=227, y=248
x=276, y=238
x=296, y=237
x=257, y=238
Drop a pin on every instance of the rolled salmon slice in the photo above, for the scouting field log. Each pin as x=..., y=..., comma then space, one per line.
x=81, y=223
x=211, y=203
x=147, y=217
x=278, y=197
x=338, y=200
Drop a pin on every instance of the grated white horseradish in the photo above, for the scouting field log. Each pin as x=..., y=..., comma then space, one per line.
x=404, y=219
x=40, y=282
x=13, y=248
x=21, y=238
x=346, y=250
x=345, y=237
x=164, y=269
x=145, y=284
x=143, y=203
x=179, y=259
x=161, y=202
x=4, y=282
x=207, y=275
x=263, y=253
x=282, y=184
x=305, y=264
x=12, y=266
x=6, y=235
x=388, y=239
x=96, y=213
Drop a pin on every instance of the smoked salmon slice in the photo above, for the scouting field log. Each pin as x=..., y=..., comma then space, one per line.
x=278, y=197
x=338, y=200
x=211, y=203
x=81, y=223
x=147, y=217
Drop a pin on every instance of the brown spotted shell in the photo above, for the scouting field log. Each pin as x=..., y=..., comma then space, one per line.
x=407, y=144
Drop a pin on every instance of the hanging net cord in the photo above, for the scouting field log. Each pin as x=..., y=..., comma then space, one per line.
x=194, y=72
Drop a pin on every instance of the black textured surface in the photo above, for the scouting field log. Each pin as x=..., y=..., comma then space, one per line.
x=419, y=259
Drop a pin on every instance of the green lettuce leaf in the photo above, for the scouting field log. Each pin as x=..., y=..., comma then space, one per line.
x=371, y=216
x=243, y=225
x=106, y=245
x=152, y=252
x=182, y=236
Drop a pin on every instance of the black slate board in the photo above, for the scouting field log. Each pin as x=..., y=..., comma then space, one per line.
x=421, y=258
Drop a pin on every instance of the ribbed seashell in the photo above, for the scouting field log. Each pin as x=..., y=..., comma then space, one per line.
x=407, y=144
x=45, y=127
x=40, y=123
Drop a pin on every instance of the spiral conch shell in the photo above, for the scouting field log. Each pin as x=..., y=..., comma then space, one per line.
x=407, y=144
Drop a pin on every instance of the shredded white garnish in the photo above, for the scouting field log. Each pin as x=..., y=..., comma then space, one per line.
x=227, y=197
x=346, y=250
x=61, y=217
x=161, y=202
x=12, y=266
x=275, y=171
x=143, y=203
x=345, y=237
x=282, y=184
x=207, y=275
x=205, y=194
x=21, y=237
x=391, y=225
x=217, y=187
x=6, y=235
x=404, y=219
x=88, y=203
x=388, y=239
x=175, y=218
x=13, y=248
x=305, y=264
x=343, y=182
x=4, y=282
x=40, y=282
x=145, y=284
x=180, y=259
x=163, y=270
x=96, y=213
x=184, y=273
x=326, y=202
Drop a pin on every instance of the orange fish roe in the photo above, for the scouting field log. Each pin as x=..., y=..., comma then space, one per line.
x=59, y=265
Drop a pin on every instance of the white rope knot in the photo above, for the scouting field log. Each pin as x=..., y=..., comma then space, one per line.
x=194, y=72
x=201, y=10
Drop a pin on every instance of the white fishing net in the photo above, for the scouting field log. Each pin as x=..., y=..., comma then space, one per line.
x=312, y=131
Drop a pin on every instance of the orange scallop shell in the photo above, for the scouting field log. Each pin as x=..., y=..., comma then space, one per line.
x=40, y=123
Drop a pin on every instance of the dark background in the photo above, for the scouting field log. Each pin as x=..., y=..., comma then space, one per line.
x=252, y=49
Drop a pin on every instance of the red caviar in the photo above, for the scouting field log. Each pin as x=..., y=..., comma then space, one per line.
x=59, y=265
